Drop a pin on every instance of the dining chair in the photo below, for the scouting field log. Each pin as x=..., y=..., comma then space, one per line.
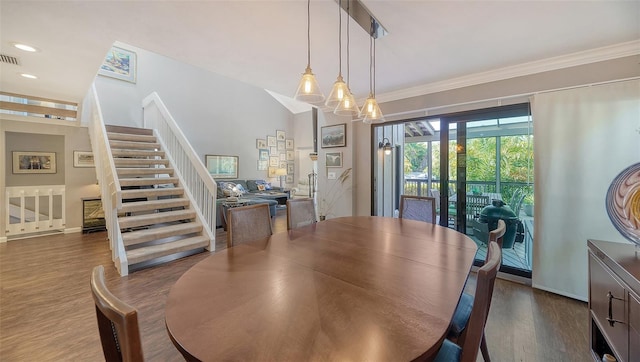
x=465, y=347
x=117, y=322
x=421, y=208
x=497, y=234
x=247, y=223
x=300, y=212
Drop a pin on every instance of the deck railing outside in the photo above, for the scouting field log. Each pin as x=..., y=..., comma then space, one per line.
x=420, y=187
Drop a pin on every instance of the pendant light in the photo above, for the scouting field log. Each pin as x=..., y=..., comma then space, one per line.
x=371, y=111
x=308, y=90
x=348, y=105
x=339, y=89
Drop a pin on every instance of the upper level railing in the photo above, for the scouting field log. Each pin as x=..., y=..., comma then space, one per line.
x=107, y=179
x=30, y=106
x=189, y=168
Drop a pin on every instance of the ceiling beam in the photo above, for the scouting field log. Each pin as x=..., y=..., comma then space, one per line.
x=363, y=17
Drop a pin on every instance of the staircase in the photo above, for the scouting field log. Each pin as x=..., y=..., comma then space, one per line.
x=156, y=219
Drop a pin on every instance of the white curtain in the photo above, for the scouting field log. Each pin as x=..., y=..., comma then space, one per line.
x=583, y=138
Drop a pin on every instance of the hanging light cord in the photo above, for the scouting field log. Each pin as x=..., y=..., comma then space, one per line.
x=374, y=66
x=340, y=37
x=370, y=64
x=348, y=43
x=308, y=33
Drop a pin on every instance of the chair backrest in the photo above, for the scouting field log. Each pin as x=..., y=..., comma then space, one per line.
x=247, y=223
x=117, y=322
x=436, y=195
x=475, y=204
x=497, y=235
x=420, y=208
x=481, y=303
x=300, y=212
x=518, y=204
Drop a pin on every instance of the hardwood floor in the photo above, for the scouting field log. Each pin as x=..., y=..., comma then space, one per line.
x=47, y=314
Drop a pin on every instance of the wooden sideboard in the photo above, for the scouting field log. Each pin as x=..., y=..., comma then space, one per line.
x=614, y=302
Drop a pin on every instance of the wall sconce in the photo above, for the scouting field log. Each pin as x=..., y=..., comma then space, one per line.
x=386, y=146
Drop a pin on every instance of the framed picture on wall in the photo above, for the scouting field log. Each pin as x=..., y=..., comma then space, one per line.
x=83, y=159
x=291, y=156
x=261, y=143
x=281, y=135
x=289, y=179
x=334, y=159
x=281, y=146
x=222, y=166
x=34, y=162
x=289, y=144
x=290, y=168
x=273, y=161
x=273, y=151
x=271, y=141
x=334, y=136
x=283, y=157
x=263, y=154
x=120, y=64
x=263, y=165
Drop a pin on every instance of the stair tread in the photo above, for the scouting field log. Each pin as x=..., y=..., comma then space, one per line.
x=118, y=161
x=165, y=191
x=142, y=236
x=141, y=181
x=144, y=170
x=133, y=145
x=155, y=218
x=128, y=130
x=156, y=251
x=116, y=136
x=154, y=204
x=136, y=153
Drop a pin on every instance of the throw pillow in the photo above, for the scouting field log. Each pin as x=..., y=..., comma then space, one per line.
x=240, y=189
x=261, y=187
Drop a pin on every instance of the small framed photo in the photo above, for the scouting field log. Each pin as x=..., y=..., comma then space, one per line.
x=274, y=161
x=83, y=159
x=291, y=156
x=34, y=162
x=222, y=166
x=334, y=159
x=263, y=165
x=289, y=179
x=334, y=136
x=261, y=143
x=283, y=157
x=263, y=154
x=283, y=164
x=289, y=144
x=290, y=170
x=281, y=146
x=120, y=64
x=272, y=172
x=271, y=141
x=281, y=135
x=273, y=151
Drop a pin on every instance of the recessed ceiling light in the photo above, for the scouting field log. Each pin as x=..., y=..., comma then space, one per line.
x=30, y=76
x=25, y=47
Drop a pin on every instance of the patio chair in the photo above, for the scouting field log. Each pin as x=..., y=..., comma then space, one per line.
x=421, y=208
x=300, y=212
x=470, y=317
x=246, y=223
x=117, y=322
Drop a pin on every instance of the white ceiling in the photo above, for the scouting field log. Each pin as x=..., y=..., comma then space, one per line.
x=430, y=43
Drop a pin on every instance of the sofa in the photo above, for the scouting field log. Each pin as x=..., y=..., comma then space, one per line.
x=251, y=191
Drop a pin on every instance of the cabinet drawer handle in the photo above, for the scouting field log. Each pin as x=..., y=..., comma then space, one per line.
x=610, y=317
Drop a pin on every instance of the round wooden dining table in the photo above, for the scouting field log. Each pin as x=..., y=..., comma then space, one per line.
x=360, y=288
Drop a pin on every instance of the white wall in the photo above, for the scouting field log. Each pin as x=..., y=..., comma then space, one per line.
x=218, y=115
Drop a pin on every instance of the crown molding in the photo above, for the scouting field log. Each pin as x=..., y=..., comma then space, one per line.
x=565, y=61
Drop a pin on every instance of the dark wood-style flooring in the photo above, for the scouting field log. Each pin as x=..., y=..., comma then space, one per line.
x=47, y=313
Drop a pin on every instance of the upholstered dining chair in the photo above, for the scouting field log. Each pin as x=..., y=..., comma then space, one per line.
x=117, y=322
x=463, y=309
x=465, y=347
x=421, y=208
x=300, y=212
x=247, y=223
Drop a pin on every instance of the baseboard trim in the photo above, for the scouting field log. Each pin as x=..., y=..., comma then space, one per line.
x=3, y=239
x=72, y=230
x=560, y=292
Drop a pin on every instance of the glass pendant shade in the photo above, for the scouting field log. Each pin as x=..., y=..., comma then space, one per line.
x=308, y=90
x=371, y=111
x=338, y=92
x=347, y=106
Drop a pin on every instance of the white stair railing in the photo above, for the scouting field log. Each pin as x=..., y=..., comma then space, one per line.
x=193, y=175
x=110, y=191
x=34, y=209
